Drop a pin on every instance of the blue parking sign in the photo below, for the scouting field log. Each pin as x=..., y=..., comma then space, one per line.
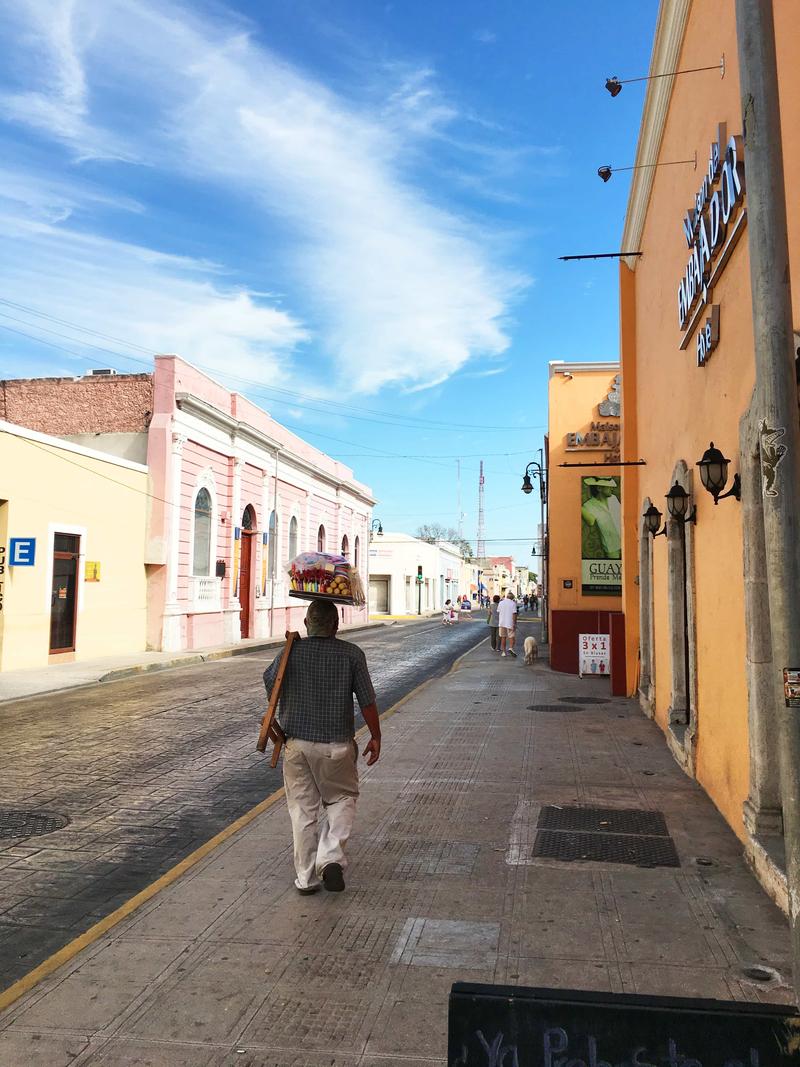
x=22, y=552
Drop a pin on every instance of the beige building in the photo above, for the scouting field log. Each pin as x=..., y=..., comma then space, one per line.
x=72, y=537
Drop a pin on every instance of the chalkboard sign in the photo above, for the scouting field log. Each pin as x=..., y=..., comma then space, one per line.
x=510, y=1026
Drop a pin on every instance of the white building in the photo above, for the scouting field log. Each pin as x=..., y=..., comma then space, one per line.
x=397, y=562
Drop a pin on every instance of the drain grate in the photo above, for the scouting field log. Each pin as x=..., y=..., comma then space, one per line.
x=30, y=823
x=606, y=848
x=552, y=707
x=580, y=817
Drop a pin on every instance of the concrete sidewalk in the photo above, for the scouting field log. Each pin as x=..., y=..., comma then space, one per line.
x=15, y=685
x=228, y=965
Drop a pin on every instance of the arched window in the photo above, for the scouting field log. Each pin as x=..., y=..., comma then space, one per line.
x=321, y=539
x=293, y=538
x=201, y=549
x=272, y=544
x=356, y=547
x=345, y=547
x=249, y=518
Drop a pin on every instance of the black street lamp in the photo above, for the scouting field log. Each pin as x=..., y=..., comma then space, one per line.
x=714, y=475
x=538, y=472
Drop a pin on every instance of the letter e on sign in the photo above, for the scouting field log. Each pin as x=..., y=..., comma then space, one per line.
x=22, y=552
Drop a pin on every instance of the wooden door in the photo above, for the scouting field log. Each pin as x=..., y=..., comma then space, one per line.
x=64, y=593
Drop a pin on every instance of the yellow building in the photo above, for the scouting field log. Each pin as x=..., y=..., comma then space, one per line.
x=72, y=536
x=584, y=516
x=696, y=601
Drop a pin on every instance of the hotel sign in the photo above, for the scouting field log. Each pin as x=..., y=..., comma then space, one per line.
x=601, y=436
x=712, y=228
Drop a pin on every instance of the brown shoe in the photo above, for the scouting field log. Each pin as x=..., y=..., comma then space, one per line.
x=333, y=878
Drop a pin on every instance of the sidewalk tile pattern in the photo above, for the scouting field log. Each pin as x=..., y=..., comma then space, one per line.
x=230, y=966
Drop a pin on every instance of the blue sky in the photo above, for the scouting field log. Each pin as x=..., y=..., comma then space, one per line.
x=352, y=211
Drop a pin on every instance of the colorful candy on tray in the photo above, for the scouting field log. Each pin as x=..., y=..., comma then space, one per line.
x=324, y=574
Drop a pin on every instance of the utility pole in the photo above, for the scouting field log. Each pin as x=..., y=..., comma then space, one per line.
x=776, y=397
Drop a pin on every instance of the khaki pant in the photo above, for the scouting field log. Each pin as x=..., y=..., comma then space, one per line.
x=314, y=773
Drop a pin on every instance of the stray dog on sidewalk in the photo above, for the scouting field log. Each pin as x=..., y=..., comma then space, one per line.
x=531, y=651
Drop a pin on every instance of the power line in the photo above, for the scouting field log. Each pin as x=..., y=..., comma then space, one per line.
x=48, y=449
x=296, y=398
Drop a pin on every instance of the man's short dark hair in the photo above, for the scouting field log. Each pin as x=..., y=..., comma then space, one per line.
x=495, y=599
x=322, y=618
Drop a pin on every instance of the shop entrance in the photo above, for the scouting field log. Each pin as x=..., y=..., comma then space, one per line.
x=378, y=596
x=64, y=592
x=246, y=571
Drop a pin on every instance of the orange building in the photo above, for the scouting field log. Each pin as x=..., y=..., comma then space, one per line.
x=696, y=601
x=584, y=571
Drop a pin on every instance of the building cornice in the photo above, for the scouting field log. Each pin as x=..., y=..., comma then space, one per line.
x=243, y=431
x=673, y=16
x=69, y=446
x=560, y=366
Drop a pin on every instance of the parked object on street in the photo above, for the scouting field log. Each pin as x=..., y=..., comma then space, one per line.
x=323, y=574
x=531, y=650
x=316, y=679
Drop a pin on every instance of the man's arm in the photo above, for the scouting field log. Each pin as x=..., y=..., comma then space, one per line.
x=365, y=695
x=373, y=749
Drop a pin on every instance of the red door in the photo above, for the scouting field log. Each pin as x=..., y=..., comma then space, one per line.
x=246, y=581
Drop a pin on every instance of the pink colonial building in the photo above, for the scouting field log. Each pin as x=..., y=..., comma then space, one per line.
x=234, y=496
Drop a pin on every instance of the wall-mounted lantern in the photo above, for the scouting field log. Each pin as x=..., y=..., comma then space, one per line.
x=714, y=475
x=678, y=505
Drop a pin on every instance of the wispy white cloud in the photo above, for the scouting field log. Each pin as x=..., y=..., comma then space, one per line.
x=484, y=36
x=396, y=288
x=152, y=301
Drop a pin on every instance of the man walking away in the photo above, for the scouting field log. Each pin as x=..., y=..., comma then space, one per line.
x=507, y=614
x=494, y=622
x=315, y=712
x=525, y=602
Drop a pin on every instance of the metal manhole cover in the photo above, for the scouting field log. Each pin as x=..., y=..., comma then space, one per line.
x=552, y=707
x=30, y=823
x=584, y=700
x=606, y=848
x=580, y=817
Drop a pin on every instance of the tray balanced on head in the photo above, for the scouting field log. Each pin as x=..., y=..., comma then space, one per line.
x=327, y=576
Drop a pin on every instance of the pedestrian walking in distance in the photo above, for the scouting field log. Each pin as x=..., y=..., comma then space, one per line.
x=525, y=602
x=320, y=757
x=493, y=620
x=507, y=615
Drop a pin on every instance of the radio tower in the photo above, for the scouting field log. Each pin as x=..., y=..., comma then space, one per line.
x=481, y=530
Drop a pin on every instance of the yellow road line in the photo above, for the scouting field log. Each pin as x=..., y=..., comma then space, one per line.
x=88, y=937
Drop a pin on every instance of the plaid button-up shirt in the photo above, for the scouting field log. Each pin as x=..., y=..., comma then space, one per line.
x=322, y=675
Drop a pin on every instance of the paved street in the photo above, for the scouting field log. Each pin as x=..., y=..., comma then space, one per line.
x=147, y=769
x=447, y=882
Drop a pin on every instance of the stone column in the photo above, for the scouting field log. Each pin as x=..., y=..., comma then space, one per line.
x=647, y=664
x=762, y=809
